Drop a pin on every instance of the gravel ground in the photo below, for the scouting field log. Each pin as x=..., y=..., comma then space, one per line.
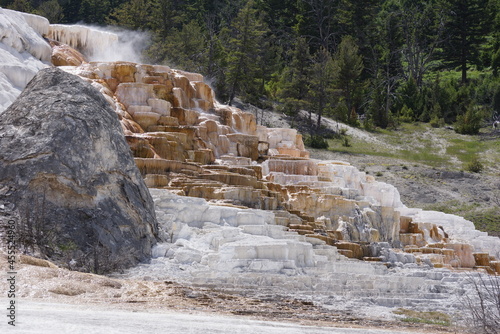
x=49, y=318
x=57, y=300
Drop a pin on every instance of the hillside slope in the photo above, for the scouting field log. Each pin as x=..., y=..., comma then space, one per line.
x=429, y=166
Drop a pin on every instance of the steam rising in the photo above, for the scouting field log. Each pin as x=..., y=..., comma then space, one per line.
x=102, y=44
x=127, y=47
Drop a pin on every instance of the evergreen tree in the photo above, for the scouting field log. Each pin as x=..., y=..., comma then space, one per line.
x=250, y=48
x=377, y=104
x=318, y=23
x=423, y=34
x=385, y=64
x=71, y=10
x=495, y=49
x=245, y=52
x=167, y=15
x=356, y=18
x=281, y=17
x=52, y=10
x=216, y=14
x=94, y=11
x=184, y=48
x=268, y=64
x=469, y=123
x=214, y=50
x=347, y=68
x=295, y=80
x=135, y=14
x=468, y=26
x=409, y=99
x=159, y=16
x=21, y=6
x=321, y=93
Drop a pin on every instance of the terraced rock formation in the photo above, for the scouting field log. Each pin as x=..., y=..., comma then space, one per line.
x=185, y=142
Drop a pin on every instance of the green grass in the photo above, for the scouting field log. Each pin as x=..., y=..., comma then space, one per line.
x=465, y=150
x=432, y=317
x=452, y=207
x=456, y=76
x=399, y=146
x=412, y=142
x=485, y=220
x=424, y=156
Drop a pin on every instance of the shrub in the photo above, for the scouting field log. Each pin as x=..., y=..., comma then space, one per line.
x=316, y=141
x=368, y=125
x=437, y=122
x=353, y=118
x=483, y=304
x=470, y=122
x=407, y=115
x=475, y=166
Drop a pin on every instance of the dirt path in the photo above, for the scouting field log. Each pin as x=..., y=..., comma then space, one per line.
x=56, y=300
x=49, y=318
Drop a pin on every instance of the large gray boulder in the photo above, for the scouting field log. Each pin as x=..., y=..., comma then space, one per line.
x=68, y=173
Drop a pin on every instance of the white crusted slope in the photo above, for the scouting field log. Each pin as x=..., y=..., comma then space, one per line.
x=23, y=52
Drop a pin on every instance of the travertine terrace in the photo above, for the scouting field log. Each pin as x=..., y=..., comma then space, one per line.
x=242, y=205
x=187, y=143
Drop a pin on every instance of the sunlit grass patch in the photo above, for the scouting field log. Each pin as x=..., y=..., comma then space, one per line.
x=465, y=150
x=420, y=143
x=425, y=156
x=431, y=317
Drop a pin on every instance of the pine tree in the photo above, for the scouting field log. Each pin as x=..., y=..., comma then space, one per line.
x=245, y=52
x=281, y=17
x=318, y=21
x=322, y=87
x=385, y=64
x=495, y=52
x=295, y=80
x=134, y=14
x=423, y=34
x=94, y=11
x=356, y=18
x=377, y=110
x=52, y=10
x=468, y=26
x=21, y=6
x=167, y=15
x=347, y=68
x=71, y=10
x=185, y=48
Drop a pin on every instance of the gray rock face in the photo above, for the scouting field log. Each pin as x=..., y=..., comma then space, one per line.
x=67, y=170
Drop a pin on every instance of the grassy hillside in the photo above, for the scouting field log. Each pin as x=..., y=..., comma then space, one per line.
x=434, y=147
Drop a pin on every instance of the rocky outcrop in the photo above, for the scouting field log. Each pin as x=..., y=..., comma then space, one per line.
x=64, y=55
x=67, y=170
